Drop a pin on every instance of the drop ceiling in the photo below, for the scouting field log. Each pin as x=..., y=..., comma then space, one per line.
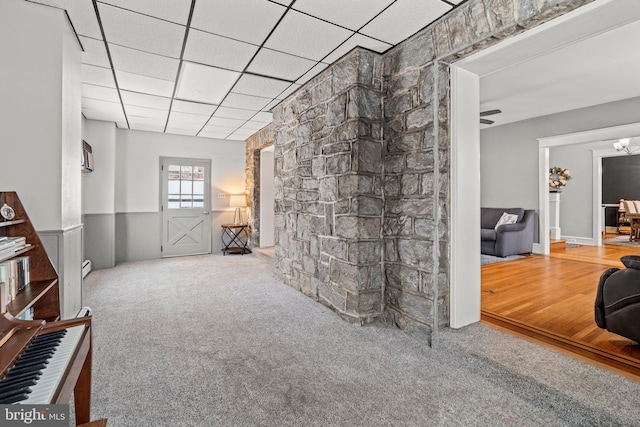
x=215, y=68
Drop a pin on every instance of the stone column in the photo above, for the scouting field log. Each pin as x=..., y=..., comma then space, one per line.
x=328, y=146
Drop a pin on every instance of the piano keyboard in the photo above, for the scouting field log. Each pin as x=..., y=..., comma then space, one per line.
x=35, y=376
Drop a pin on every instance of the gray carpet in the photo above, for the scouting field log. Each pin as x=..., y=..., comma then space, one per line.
x=490, y=259
x=216, y=341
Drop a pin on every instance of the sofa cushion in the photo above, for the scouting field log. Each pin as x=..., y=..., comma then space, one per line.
x=489, y=216
x=506, y=218
x=488, y=234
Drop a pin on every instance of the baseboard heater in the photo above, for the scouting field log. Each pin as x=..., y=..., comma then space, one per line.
x=86, y=268
x=84, y=312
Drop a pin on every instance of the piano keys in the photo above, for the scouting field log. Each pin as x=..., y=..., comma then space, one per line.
x=43, y=363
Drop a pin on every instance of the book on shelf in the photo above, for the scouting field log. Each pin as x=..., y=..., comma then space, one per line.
x=10, y=245
x=16, y=274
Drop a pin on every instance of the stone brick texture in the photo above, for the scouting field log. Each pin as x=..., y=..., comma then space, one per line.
x=256, y=142
x=362, y=169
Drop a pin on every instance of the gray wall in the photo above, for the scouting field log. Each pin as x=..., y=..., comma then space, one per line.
x=509, y=161
x=122, y=196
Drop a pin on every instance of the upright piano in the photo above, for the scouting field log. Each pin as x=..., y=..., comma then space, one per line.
x=43, y=363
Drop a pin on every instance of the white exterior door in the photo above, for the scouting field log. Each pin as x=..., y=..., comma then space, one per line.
x=186, y=205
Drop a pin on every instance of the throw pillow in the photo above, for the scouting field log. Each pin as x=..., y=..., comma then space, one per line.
x=506, y=219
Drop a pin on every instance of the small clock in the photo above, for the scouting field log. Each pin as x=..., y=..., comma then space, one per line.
x=7, y=212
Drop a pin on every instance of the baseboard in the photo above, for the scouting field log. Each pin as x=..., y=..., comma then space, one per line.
x=587, y=241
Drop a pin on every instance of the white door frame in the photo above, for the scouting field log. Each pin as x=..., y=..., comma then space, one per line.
x=464, y=302
x=206, y=209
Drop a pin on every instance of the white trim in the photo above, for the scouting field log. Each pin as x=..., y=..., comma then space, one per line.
x=465, y=199
x=594, y=135
x=587, y=241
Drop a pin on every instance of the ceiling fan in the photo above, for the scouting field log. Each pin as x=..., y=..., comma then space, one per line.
x=488, y=113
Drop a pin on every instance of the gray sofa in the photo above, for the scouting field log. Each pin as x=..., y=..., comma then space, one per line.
x=507, y=239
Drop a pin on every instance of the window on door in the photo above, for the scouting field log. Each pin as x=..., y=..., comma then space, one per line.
x=186, y=187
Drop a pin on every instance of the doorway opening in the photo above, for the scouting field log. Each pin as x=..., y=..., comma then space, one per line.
x=267, y=224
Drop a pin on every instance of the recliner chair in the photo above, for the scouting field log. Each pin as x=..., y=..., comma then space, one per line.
x=617, y=306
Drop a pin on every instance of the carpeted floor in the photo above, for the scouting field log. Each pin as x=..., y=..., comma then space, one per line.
x=621, y=241
x=216, y=341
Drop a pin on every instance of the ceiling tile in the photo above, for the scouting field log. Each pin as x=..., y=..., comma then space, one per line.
x=351, y=14
x=94, y=53
x=312, y=73
x=251, y=124
x=281, y=65
x=171, y=10
x=122, y=124
x=289, y=91
x=143, y=84
x=178, y=131
x=211, y=134
x=150, y=113
x=236, y=137
x=144, y=100
x=146, y=127
x=246, y=20
x=82, y=16
x=222, y=52
x=243, y=132
x=238, y=100
x=193, y=107
x=141, y=32
x=143, y=63
x=206, y=84
x=235, y=113
x=225, y=122
x=96, y=104
x=284, y=2
x=263, y=116
x=404, y=18
x=100, y=92
x=260, y=86
x=98, y=76
x=194, y=119
x=102, y=110
x=356, y=40
x=272, y=104
x=305, y=36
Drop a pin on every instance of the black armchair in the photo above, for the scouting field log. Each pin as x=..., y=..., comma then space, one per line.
x=617, y=306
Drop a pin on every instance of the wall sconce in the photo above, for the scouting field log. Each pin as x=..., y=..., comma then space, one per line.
x=237, y=201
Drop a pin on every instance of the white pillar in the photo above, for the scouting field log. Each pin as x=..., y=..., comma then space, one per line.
x=554, y=210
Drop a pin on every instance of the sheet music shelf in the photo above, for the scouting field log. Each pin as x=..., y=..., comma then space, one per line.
x=43, y=292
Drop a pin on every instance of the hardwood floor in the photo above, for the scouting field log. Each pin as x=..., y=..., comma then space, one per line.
x=550, y=298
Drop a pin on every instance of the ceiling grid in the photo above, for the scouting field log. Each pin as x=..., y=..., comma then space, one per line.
x=215, y=68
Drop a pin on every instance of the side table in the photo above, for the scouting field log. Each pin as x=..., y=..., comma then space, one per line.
x=235, y=238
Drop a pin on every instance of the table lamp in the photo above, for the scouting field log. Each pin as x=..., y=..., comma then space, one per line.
x=238, y=201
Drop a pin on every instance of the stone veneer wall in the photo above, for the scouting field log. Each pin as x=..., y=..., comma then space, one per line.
x=355, y=182
x=256, y=142
x=328, y=194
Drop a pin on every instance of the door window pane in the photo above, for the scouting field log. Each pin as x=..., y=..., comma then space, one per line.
x=187, y=172
x=185, y=202
x=174, y=186
x=198, y=187
x=198, y=173
x=174, y=172
x=186, y=187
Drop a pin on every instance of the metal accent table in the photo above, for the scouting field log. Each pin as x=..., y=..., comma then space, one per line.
x=235, y=238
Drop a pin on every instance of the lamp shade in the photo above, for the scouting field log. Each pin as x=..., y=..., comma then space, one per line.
x=237, y=201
